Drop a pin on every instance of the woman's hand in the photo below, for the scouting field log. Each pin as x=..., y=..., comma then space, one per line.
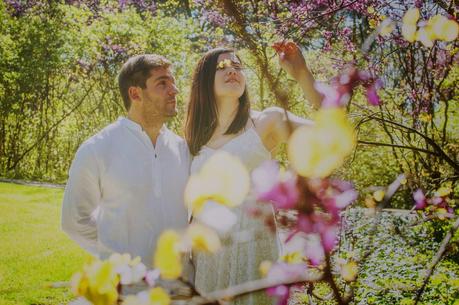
x=292, y=61
x=290, y=58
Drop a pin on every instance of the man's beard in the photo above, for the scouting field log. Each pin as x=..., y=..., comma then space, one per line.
x=152, y=114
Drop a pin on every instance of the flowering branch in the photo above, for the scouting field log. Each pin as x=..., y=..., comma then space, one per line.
x=254, y=286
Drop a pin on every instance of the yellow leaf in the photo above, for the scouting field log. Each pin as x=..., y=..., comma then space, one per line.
x=373, y=23
x=223, y=179
x=386, y=27
x=443, y=28
x=97, y=283
x=403, y=181
x=409, y=32
x=264, y=268
x=441, y=213
x=167, y=255
x=294, y=257
x=451, y=31
x=202, y=238
x=318, y=150
x=425, y=117
x=118, y=259
x=443, y=191
x=159, y=296
x=426, y=36
x=349, y=271
x=79, y=284
x=411, y=16
x=370, y=202
x=378, y=195
x=132, y=300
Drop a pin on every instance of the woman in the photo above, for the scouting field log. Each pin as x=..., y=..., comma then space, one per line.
x=219, y=118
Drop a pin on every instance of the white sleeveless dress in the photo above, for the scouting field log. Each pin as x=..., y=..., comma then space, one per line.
x=239, y=262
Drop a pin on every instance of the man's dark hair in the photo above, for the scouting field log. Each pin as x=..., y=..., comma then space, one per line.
x=136, y=71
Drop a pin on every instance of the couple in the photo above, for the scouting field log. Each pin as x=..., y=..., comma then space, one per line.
x=126, y=182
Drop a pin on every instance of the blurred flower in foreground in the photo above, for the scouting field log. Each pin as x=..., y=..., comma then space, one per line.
x=410, y=19
x=281, y=292
x=130, y=270
x=379, y=195
x=80, y=301
x=282, y=271
x=167, y=255
x=437, y=27
x=217, y=216
x=419, y=199
x=386, y=27
x=438, y=205
x=223, y=179
x=320, y=212
x=318, y=150
x=151, y=276
x=159, y=297
x=97, y=283
x=314, y=250
x=349, y=271
x=272, y=185
x=341, y=88
x=202, y=238
x=264, y=267
x=155, y=296
x=317, y=219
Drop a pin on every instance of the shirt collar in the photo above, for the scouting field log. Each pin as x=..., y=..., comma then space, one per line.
x=136, y=127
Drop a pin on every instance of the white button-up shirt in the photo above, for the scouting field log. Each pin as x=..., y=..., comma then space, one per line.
x=123, y=191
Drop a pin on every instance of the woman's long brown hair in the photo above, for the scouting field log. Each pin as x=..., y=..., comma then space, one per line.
x=202, y=113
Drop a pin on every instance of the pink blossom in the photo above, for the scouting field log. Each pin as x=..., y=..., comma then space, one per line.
x=372, y=96
x=334, y=96
x=419, y=199
x=305, y=224
x=329, y=236
x=282, y=292
x=283, y=272
x=273, y=186
x=315, y=253
x=436, y=200
x=151, y=277
x=372, y=93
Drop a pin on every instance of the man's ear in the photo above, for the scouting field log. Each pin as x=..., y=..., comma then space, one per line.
x=134, y=93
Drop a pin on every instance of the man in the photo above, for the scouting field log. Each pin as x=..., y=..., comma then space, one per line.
x=126, y=182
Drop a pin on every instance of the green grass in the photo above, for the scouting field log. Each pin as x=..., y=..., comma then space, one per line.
x=34, y=251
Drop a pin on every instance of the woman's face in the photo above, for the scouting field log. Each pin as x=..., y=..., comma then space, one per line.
x=229, y=76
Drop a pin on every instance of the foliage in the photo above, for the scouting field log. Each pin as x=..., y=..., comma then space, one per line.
x=400, y=253
x=60, y=63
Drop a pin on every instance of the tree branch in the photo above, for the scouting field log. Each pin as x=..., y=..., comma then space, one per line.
x=399, y=146
x=441, y=251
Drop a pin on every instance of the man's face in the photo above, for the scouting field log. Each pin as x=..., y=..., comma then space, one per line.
x=159, y=96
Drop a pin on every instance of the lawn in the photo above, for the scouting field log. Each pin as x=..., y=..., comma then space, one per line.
x=35, y=253
x=34, y=250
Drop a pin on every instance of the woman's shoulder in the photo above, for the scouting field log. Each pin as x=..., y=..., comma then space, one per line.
x=267, y=114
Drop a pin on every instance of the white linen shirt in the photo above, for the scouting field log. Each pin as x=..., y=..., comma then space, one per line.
x=122, y=191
